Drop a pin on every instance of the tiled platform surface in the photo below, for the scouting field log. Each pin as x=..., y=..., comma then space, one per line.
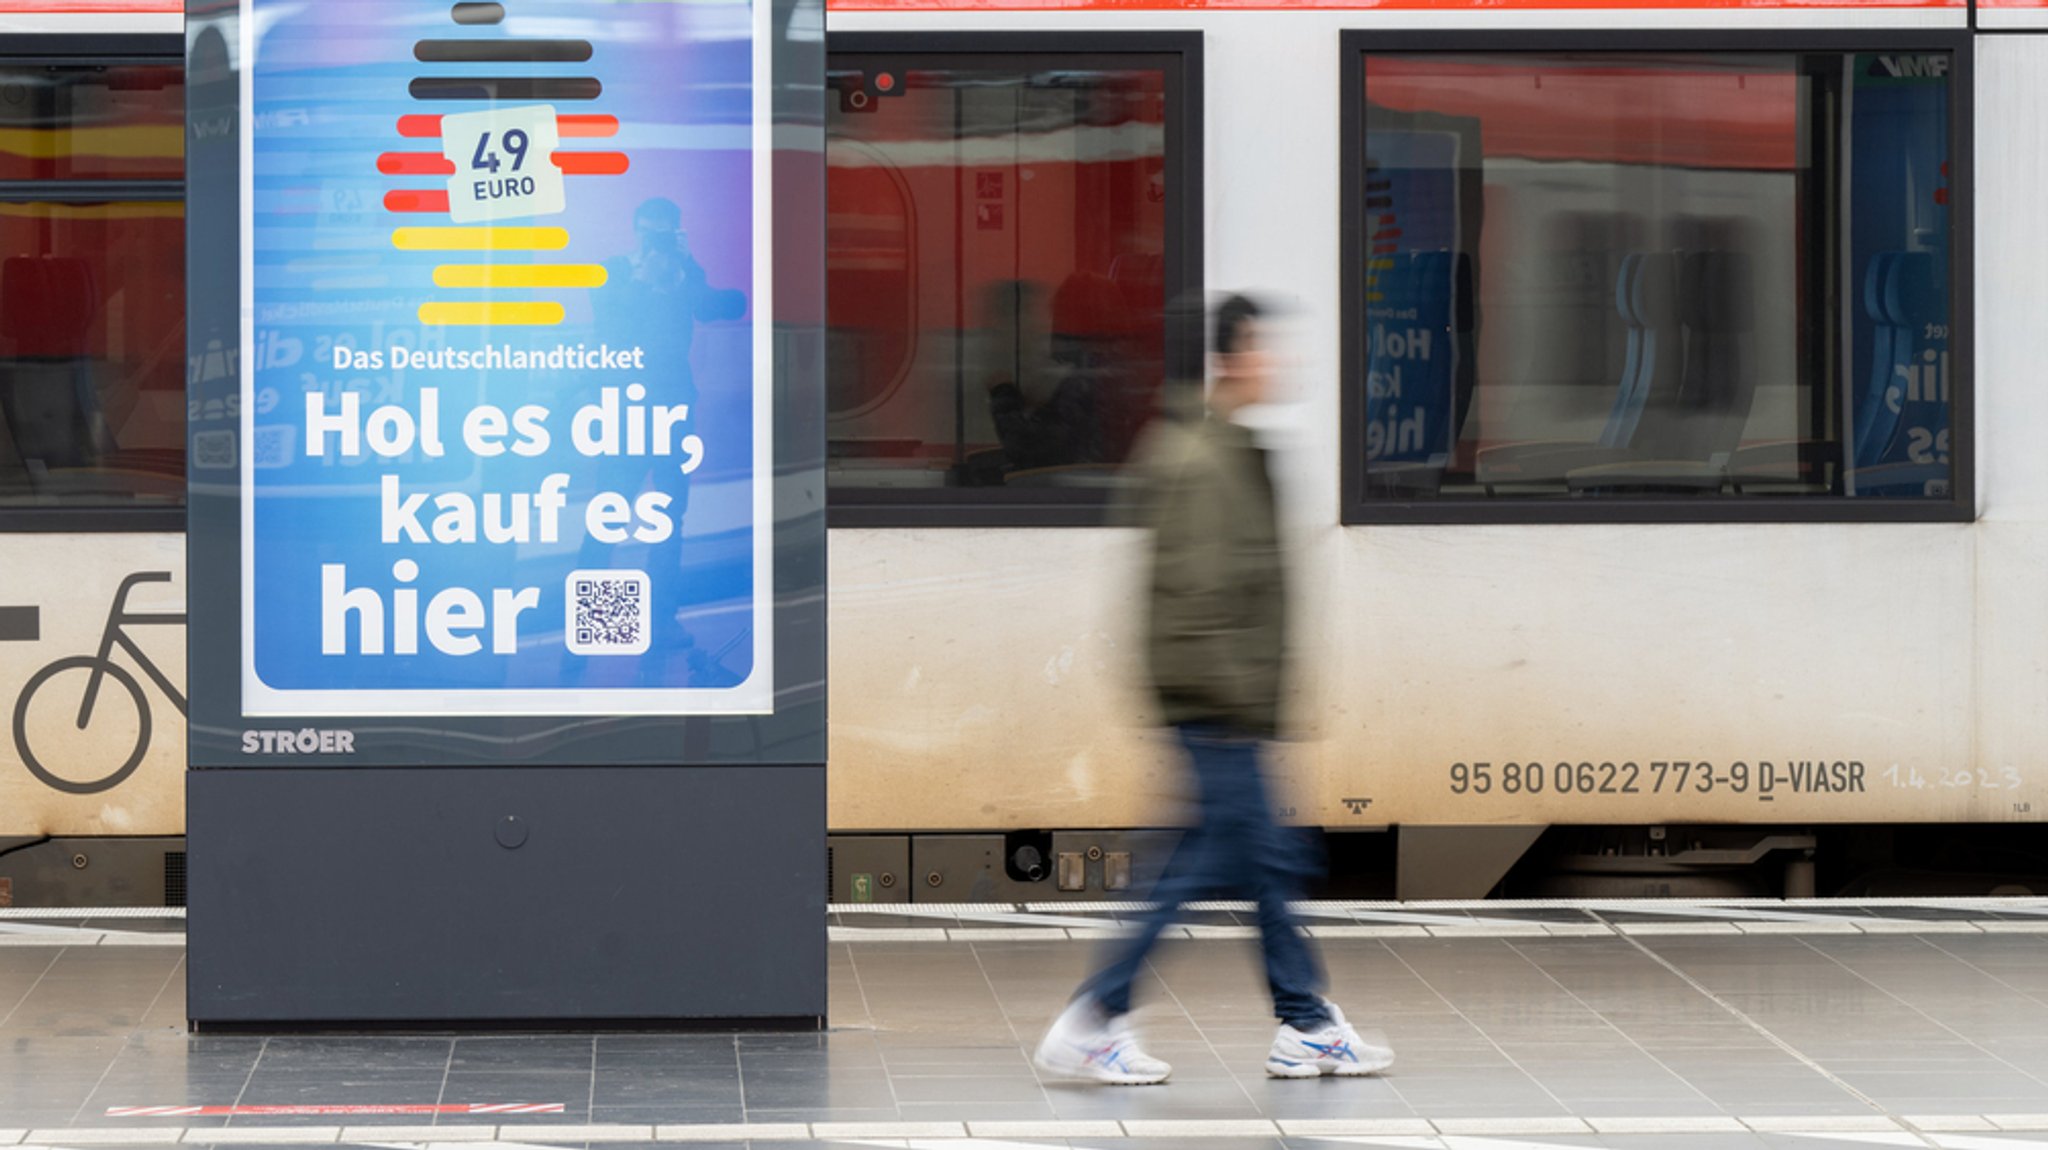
x=1651, y=1026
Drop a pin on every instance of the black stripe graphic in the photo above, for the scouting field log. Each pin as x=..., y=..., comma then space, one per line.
x=479, y=13
x=20, y=624
x=507, y=88
x=501, y=51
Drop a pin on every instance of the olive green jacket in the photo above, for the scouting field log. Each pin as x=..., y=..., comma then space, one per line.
x=1216, y=640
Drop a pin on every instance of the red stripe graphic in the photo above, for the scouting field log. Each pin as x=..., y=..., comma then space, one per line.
x=592, y=163
x=436, y=164
x=568, y=127
x=416, y=201
x=415, y=164
x=77, y=7
x=315, y=1110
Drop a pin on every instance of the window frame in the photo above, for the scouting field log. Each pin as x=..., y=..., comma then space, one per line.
x=1358, y=509
x=1185, y=270
x=149, y=49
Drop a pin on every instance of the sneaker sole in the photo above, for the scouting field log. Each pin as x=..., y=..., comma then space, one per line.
x=1106, y=1078
x=1318, y=1070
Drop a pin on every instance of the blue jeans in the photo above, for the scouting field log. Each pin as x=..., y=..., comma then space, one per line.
x=1235, y=851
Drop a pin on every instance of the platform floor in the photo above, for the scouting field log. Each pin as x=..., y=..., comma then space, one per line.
x=1517, y=1027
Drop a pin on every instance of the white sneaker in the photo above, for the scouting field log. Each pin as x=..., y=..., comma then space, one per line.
x=1086, y=1043
x=1335, y=1049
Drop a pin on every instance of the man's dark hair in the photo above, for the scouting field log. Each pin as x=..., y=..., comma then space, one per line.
x=1233, y=317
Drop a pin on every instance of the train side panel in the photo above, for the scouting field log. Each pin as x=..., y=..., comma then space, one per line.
x=1618, y=674
x=57, y=593
x=987, y=678
x=2011, y=671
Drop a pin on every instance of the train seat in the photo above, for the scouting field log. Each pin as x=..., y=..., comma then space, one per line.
x=1646, y=298
x=1876, y=423
x=49, y=396
x=1686, y=434
x=1902, y=295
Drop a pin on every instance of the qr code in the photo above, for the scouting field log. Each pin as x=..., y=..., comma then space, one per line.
x=213, y=450
x=275, y=445
x=610, y=612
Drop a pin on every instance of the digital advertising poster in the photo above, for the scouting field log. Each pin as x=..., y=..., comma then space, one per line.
x=1899, y=225
x=1412, y=213
x=505, y=389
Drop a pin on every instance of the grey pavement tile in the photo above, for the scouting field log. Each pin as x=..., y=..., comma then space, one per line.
x=1152, y=1102
x=1586, y=1025
x=326, y=1053
x=965, y=1060
x=825, y=1114
x=693, y=1115
x=1006, y=1089
x=823, y=1099
x=324, y=1093
x=978, y=1111
x=1225, y=1143
x=514, y=1085
x=33, y=1116
x=1328, y=1099
x=656, y=1069
x=167, y=1089
x=527, y=1053
x=693, y=1144
x=636, y=1066
x=646, y=1089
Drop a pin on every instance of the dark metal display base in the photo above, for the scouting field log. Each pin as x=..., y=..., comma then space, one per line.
x=482, y=897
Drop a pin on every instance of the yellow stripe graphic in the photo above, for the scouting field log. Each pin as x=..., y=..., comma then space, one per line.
x=136, y=142
x=140, y=210
x=480, y=239
x=479, y=314
x=520, y=276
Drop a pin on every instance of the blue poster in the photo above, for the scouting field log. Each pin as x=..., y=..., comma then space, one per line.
x=505, y=314
x=1412, y=240
x=1899, y=229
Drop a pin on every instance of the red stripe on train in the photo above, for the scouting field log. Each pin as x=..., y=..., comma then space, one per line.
x=1399, y=5
x=87, y=7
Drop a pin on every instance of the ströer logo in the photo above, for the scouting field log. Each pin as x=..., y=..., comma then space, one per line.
x=305, y=741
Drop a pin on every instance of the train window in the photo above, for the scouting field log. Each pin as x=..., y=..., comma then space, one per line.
x=92, y=354
x=92, y=121
x=92, y=292
x=1588, y=283
x=1006, y=218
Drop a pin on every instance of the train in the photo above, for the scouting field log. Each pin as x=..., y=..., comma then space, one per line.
x=1663, y=510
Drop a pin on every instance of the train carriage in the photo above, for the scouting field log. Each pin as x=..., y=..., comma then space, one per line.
x=1658, y=463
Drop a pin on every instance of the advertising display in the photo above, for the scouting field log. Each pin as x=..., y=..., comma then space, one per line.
x=506, y=439
x=1412, y=216
x=1899, y=229
x=500, y=432
x=506, y=517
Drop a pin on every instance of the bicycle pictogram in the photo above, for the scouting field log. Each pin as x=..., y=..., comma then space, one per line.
x=98, y=668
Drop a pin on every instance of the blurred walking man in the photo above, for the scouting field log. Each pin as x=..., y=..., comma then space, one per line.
x=1216, y=649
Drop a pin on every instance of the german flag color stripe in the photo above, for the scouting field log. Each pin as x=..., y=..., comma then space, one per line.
x=436, y=164
x=585, y=127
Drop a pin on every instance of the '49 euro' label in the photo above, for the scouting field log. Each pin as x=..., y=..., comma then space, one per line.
x=504, y=164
